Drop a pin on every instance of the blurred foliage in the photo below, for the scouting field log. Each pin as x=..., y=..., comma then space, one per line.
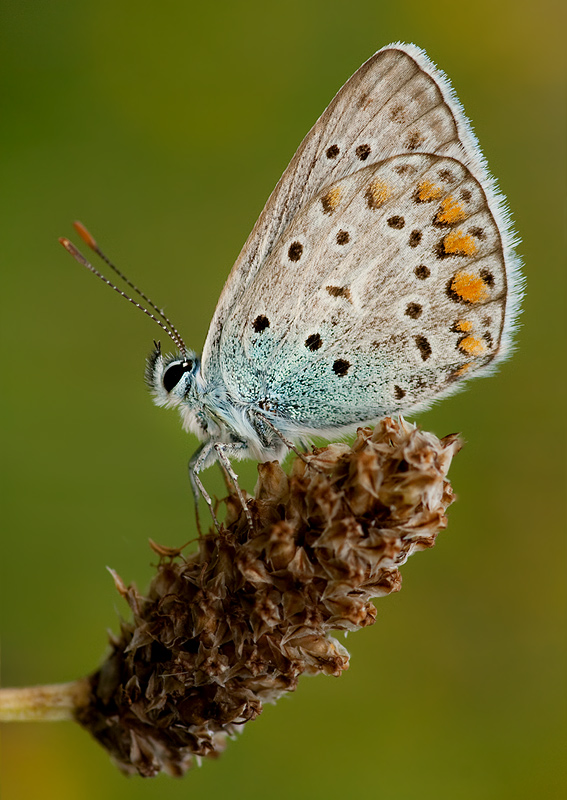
x=164, y=128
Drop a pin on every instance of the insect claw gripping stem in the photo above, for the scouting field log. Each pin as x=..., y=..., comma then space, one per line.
x=199, y=489
x=220, y=450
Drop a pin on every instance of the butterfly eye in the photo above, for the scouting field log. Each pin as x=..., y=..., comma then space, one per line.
x=174, y=373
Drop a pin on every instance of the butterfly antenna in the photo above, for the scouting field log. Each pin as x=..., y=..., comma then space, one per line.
x=164, y=323
x=89, y=239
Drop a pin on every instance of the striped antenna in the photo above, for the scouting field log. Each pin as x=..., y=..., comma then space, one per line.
x=163, y=321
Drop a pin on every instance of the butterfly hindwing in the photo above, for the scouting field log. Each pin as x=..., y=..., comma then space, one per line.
x=384, y=289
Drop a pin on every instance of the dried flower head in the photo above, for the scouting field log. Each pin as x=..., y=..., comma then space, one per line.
x=232, y=626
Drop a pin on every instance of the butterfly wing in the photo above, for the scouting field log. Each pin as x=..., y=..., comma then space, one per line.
x=397, y=102
x=385, y=290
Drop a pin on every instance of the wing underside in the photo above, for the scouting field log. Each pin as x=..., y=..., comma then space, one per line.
x=386, y=287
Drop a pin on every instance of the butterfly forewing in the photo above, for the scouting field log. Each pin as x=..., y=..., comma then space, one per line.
x=397, y=102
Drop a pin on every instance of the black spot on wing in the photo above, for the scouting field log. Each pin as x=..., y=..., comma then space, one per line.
x=415, y=238
x=339, y=291
x=313, y=342
x=295, y=251
x=261, y=323
x=413, y=310
x=341, y=367
x=423, y=346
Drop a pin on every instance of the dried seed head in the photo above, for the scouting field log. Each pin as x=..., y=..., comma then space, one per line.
x=233, y=625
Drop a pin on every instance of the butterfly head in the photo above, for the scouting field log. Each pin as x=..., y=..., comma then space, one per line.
x=171, y=378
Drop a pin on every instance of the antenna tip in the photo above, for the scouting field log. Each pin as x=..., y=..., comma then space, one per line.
x=70, y=248
x=85, y=235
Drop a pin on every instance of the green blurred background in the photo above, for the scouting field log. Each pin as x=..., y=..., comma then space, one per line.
x=164, y=127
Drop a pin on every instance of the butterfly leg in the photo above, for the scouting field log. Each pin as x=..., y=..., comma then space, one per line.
x=221, y=449
x=286, y=441
x=226, y=477
x=196, y=464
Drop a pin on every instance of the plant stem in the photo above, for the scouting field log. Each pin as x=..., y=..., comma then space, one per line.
x=59, y=701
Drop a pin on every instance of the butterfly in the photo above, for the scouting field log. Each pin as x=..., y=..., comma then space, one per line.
x=379, y=277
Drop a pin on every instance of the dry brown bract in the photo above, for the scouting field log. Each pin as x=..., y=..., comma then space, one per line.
x=234, y=625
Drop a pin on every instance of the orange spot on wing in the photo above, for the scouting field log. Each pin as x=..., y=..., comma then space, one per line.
x=377, y=194
x=458, y=243
x=461, y=371
x=427, y=191
x=464, y=325
x=468, y=287
x=472, y=346
x=450, y=212
x=331, y=199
